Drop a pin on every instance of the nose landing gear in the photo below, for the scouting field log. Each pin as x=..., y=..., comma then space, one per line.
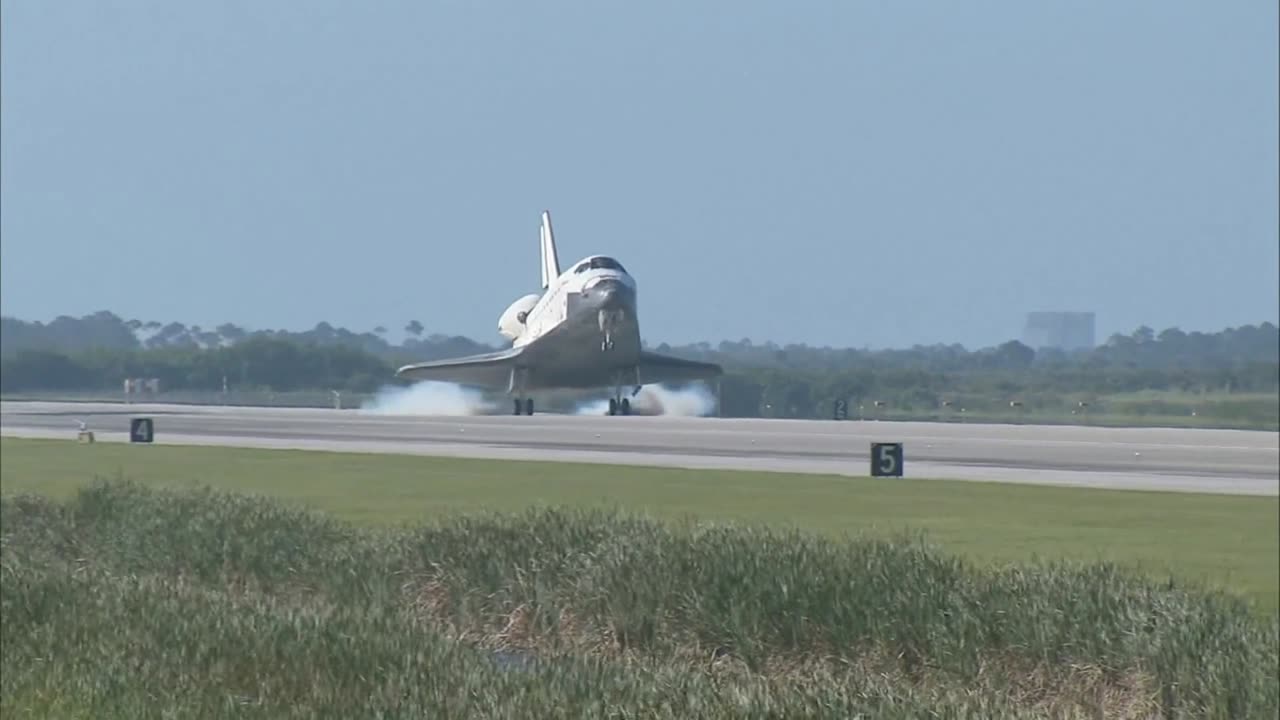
x=607, y=321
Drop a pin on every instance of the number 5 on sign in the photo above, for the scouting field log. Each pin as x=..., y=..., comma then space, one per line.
x=886, y=459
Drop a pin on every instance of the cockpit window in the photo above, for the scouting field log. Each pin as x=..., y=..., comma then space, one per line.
x=606, y=263
x=600, y=263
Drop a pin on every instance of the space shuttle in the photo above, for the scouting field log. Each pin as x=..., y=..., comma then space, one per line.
x=580, y=332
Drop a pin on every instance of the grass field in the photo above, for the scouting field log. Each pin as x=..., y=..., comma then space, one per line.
x=1228, y=542
x=405, y=596
x=128, y=601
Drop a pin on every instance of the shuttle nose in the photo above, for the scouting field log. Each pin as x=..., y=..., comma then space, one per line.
x=611, y=295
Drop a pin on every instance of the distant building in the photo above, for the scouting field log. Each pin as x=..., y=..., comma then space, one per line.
x=1060, y=330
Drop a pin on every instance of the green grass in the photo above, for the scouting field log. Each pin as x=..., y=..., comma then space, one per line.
x=125, y=601
x=1228, y=542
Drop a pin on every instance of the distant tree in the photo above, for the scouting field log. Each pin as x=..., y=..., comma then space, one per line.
x=175, y=334
x=323, y=332
x=231, y=333
x=1014, y=354
x=414, y=328
x=1118, y=340
x=740, y=396
x=42, y=369
x=1144, y=335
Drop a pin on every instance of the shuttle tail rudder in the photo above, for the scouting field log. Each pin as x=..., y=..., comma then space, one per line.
x=550, y=262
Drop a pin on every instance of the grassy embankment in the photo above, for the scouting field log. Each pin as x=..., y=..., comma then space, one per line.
x=120, y=602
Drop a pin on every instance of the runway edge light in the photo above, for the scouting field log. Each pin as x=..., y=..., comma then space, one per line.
x=886, y=460
x=141, y=430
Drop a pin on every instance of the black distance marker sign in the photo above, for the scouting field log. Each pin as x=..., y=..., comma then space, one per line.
x=886, y=459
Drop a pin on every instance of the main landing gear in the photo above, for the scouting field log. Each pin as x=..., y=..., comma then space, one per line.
x=518, y=386
x=619, y=405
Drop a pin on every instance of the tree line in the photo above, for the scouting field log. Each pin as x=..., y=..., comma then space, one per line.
x=97, y=352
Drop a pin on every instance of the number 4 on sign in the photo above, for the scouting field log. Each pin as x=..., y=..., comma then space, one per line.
x=886, y=459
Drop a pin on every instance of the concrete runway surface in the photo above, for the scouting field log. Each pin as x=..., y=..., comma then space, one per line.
x=1214, y=461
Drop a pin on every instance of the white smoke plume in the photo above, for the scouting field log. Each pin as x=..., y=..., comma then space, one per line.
x=691, y=401
x=427, y=398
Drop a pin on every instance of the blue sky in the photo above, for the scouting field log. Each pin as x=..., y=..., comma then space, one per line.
x=844, y=173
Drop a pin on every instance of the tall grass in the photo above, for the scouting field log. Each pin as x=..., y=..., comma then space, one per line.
x=126, y=601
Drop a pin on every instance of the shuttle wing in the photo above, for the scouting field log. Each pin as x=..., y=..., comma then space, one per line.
x=655, y=368
x=488, y=370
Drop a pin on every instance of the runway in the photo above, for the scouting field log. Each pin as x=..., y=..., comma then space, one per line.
x=1206, y=461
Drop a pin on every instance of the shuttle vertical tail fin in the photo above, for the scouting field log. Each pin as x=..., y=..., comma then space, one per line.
x=550, y=262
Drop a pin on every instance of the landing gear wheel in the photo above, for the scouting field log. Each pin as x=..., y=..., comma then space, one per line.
x=517, y=407
x=528, y=406
x=613, y=406
x=626, y=406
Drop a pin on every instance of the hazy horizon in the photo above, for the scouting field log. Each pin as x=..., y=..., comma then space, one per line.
x=840, y=174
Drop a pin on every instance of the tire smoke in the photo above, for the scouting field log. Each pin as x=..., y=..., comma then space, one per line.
x=427, y=398
x=691, y=401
